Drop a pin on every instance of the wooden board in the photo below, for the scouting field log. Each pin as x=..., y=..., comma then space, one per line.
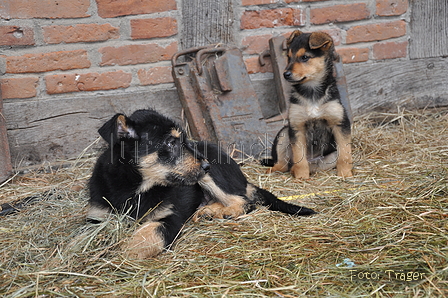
x=5, y=159
x=60, y=128
x=207, y=22
x=407, y=83
x=429, y=29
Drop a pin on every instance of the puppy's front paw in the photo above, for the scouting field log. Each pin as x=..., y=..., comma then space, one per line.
x=146, y=242
x=300, y=172
x=345, y=172
x=218, y=210
x=278, y=167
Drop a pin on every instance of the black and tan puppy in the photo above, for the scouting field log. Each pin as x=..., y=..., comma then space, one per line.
x=318, y=135
x=151, y=171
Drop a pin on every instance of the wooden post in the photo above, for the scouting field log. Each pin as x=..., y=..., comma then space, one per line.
x=5, y=157
x=429, y=29
x=207, y=22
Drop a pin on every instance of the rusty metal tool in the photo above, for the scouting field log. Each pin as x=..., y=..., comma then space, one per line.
x=219, y=100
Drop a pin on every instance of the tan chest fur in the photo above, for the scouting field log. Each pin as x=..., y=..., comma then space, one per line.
x=305, y=110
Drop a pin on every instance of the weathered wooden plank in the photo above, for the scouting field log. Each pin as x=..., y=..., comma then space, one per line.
x=429, y=29
x=5, y=158
x=207, y=22
x=62, y=128
x=385, y=85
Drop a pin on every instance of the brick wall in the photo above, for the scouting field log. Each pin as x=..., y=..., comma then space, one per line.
x=71, y=46
x=83, y=46
x=363, y=30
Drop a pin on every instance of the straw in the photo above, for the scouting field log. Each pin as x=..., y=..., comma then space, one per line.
x=390, y=219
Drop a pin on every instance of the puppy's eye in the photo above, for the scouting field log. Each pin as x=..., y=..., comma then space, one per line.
x=304, y=58
x=171, y=142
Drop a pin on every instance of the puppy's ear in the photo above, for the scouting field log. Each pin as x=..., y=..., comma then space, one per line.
x=118, y=127
x=292, y=36
x=320, y=40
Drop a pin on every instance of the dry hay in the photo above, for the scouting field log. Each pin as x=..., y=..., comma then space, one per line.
x=391, y=218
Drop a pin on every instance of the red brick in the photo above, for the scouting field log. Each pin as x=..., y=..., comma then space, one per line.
x=270, y=18
x=335, y=34
x=339, y=13
x=253, y=65
x=111, y=9
x=155, y=75
x=353, y=55
x=257, y=2
x=136, y=54
x=256, y=44
x=16, y=36
x=391, y=7
x=390, y=50
x=19, y=87
x=48, y=9
x=64, y=83
x=80, y=33
x=374, y=32
x=63, y=60
x=290, y=1
x=153, y=28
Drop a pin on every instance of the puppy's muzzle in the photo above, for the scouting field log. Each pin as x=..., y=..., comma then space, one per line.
x=205, y=166
x=287, y=75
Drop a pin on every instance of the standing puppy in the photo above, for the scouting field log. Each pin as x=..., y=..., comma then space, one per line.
x=318, y=136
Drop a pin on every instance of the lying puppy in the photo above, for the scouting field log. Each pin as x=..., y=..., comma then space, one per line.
x=153, y=172
x=318, y=136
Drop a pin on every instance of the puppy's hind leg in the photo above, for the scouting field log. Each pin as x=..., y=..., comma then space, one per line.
x=235, y=208
x=344, y=162
x=224, y=205
x=300, y=168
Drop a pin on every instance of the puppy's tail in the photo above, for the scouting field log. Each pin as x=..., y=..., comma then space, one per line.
x=275, y=204
x=282, y=142
x=267, y=162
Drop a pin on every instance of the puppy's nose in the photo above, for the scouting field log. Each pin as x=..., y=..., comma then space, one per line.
x=287, y=75
x=205, y=166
